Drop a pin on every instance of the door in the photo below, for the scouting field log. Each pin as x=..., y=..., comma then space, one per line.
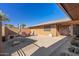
x=64, y=30
x=76, y=30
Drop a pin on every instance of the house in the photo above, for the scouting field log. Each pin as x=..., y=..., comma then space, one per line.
x=50, y=28
x=55, y=28
x=72, y=10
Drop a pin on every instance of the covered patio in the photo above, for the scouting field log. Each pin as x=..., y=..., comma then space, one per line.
x=69, y=28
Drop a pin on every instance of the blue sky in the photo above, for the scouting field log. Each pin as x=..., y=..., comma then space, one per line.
x=32, y=14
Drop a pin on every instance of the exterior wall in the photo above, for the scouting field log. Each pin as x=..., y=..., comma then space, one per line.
x=56, y=30
x=15, y=31
x=40, y=30
x=8, y=32
x=64, y=30
x=25, y=32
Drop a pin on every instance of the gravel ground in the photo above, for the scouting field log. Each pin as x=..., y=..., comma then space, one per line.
x=64, y=49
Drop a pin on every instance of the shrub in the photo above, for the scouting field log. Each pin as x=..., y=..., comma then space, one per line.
x=71, y=49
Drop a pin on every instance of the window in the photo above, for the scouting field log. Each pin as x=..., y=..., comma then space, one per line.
x=47, y=28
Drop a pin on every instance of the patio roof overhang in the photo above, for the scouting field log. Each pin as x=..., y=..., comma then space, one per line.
x=71, y=9
x=75, y=22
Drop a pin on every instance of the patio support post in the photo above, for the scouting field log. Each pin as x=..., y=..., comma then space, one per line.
x=71, y=30
x=1, y=43
x=57, y=30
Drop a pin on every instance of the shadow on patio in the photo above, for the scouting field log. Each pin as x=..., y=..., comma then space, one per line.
x=9, y=48
x=43, y=51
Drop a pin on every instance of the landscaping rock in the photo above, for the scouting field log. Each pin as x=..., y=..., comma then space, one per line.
x=76, y=51
x=71, y=49
x=64, y=54
x=75, y=42
x=76, y=38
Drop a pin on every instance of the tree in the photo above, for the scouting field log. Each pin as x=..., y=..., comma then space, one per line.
x=23, y=25
x=3, y=17
x=20, y=27
x=9, y=25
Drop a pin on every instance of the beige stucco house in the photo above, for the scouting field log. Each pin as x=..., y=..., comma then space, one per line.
x=55, y=28
x=68, y=26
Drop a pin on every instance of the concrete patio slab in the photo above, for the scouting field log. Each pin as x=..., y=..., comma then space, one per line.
x=41, y=47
